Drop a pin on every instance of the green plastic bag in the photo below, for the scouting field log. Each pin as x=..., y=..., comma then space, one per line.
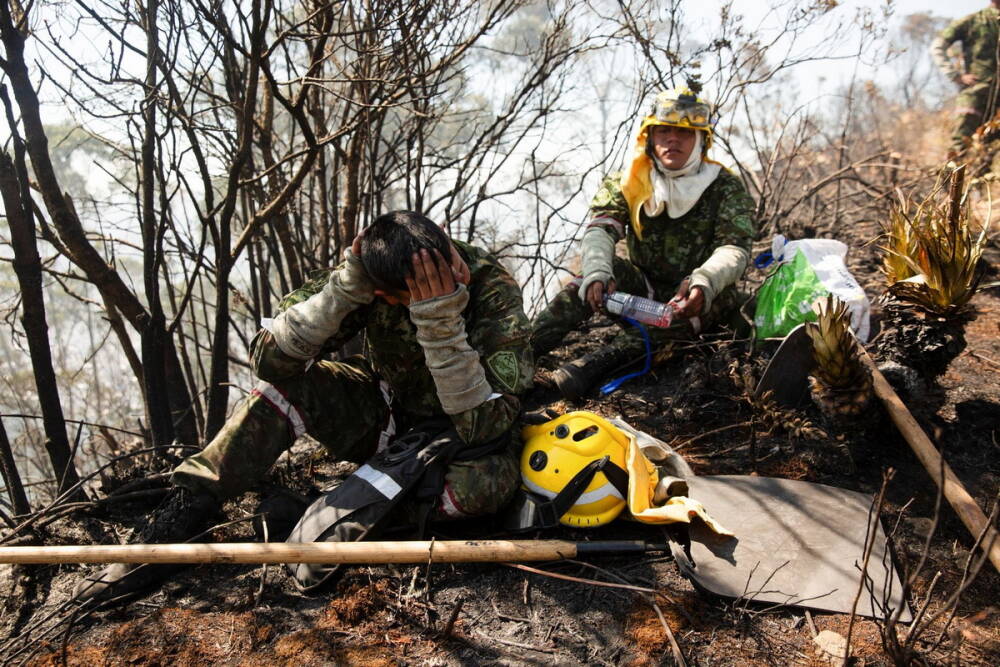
x=785, y=299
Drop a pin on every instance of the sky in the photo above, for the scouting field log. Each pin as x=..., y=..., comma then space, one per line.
x=953, y=8
x=756, y=13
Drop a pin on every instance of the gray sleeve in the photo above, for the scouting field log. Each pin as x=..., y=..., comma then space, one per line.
x=301, y=331
x=721, y=270
x=939, y=52
x=598, y=253
x=459, y=376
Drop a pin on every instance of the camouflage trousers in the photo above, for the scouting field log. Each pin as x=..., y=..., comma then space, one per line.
x=567, y=311
x=971, y=108
x=343, y=405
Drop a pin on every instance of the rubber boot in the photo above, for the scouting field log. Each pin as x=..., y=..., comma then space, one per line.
x=575, y=378
x=182, y=515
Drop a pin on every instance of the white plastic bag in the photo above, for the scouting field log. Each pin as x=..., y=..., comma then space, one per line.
x=825, y=258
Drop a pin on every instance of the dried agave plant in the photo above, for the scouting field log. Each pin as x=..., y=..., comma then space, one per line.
x=771, y=417
x=931, y=255
x=932, y=250
x=841, y=385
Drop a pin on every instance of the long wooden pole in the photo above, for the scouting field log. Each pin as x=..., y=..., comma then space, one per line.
x=956, y=495
x=457, y=551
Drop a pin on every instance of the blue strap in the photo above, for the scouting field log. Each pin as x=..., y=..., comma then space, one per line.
x=617, y=382
x=763, y=260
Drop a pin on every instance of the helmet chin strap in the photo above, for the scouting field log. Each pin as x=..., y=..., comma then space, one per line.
x=548, y=512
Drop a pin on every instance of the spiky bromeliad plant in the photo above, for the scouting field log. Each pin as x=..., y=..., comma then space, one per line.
x=931, y=257
x=841, y=386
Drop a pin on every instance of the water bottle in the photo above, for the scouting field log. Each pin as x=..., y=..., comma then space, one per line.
x=639, y=309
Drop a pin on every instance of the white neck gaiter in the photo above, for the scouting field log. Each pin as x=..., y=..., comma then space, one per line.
x=680, y=189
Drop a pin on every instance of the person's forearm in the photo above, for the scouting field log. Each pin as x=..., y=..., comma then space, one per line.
x=939, y=52
x=597, y=249
x=721, y=270
x=301, y=331
x=458, y=375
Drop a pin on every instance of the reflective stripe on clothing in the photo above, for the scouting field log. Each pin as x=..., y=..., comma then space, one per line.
x=279, y=402
x=650, y=292
x=382, y=483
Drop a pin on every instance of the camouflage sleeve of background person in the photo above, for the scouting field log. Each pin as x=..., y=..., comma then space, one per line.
x=267, y=360
x=957, y=31
x=500, y=331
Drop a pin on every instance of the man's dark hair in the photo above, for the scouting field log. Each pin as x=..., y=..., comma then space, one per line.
x=388, y=244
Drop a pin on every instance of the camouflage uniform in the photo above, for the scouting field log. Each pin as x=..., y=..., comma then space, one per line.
x=347, y=405
x=979, y=34
x=668, y=252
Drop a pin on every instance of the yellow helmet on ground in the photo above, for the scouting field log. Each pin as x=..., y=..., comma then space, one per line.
x=681, y=107
x=577, y=461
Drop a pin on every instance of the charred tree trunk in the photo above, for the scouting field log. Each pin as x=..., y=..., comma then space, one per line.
x=352, y=187
x=79, y=249
x=280, y=220
x=243, y=96
x=218, y=394
x=15, y=489
x=154, y=330
x=28, y=267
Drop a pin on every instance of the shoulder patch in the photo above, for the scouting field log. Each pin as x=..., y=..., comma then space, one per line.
x=505, y=369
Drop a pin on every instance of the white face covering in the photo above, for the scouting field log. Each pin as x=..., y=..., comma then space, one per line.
x=680, y=189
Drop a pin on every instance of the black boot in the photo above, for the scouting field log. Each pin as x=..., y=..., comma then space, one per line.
x=577, y=377
x=182, y=515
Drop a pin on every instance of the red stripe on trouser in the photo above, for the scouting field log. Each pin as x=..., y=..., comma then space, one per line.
x=449, y=504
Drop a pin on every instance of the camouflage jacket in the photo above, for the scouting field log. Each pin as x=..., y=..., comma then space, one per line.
x=979, y=34
x=671, y=248
x=496, y=326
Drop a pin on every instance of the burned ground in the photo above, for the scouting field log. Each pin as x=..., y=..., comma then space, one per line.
x=473, y=614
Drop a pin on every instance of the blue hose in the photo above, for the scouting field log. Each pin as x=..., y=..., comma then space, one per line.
x=617, y=382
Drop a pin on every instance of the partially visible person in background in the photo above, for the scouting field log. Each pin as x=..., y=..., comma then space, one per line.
x=979, y=34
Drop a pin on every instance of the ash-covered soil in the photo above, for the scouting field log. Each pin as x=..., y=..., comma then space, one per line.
x=695, y=400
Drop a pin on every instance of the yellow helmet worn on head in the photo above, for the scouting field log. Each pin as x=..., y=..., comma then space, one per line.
x=679, y=107
x=563, y=452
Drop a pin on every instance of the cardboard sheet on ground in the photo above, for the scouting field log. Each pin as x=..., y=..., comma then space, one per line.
x=797, y=543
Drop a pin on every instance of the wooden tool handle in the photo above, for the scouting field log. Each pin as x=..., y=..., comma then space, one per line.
x=458, y=551
x=956, y=495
